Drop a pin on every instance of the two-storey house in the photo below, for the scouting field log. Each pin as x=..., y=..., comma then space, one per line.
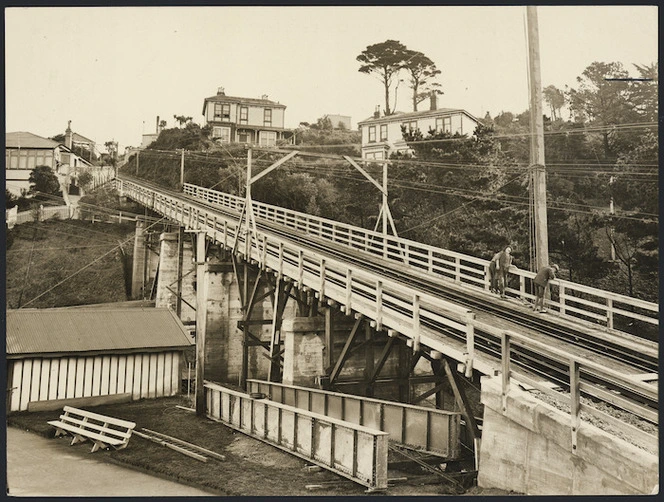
x=382, y=136
x=245, y=120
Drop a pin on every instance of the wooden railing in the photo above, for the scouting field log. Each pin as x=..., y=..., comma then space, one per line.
x=569, y=298
x=589, y=378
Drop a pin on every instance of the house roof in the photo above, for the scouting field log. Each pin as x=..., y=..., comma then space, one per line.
x=401, y=116
x=78, y=138
x=28, y=140
x=222, y=98
x=64, y=331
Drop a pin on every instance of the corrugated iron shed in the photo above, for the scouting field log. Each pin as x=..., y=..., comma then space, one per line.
x=65, y=331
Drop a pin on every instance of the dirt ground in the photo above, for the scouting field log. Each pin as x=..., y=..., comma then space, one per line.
x=251, y=467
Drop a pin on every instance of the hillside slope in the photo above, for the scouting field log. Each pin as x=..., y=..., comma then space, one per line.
x=40, y=256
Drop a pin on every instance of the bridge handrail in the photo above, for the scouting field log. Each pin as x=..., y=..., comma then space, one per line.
x=578, y=365
x=431, y=260
x=392, y=305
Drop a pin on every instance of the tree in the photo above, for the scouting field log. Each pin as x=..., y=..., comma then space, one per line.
x=555, y=98
x=112, y=149
x=181, y=119
x=643, y=93
x=11, y=200
x=84, y=179
x=43, y=180
x=603, y=101
x=384, y=59
x=162, y=124
x=422, y=71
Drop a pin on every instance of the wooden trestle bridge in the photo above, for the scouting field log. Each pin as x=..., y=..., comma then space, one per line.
x=434, y=300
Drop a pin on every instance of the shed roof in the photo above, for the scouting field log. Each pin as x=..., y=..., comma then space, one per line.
x=50, y=331
x=28, y=140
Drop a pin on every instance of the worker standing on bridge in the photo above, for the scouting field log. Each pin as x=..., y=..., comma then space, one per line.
x=503, y=265
x=541, y=280
x=493, y=277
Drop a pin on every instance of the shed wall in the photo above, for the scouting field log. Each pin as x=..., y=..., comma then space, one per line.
x=150, y=375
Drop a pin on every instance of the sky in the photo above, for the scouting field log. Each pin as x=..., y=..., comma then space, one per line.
x=113, y=70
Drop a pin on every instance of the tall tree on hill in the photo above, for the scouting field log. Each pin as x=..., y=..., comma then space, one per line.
x=384, y=59
x=603, y=101
x=555, y=98
x=643, y=94
x=422, y=72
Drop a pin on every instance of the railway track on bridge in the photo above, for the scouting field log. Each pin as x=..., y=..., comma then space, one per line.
x=533, y=362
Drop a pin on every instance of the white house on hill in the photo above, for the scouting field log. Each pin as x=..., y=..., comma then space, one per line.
x=381, y=136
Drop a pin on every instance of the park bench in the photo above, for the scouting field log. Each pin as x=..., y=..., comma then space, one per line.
x=103, y=431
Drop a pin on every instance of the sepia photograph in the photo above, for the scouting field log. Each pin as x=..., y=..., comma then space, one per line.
x=290, y=251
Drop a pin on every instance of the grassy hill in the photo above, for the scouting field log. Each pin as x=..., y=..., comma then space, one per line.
x=40, y=256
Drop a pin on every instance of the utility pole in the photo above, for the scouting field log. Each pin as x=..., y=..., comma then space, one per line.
x=182, y=170
x=537, y=142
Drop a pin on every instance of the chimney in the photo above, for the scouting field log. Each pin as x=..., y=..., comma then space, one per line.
x=377, y=112
x=68, y=135
x=220, y=91
x=157, y=129
x=432, y=94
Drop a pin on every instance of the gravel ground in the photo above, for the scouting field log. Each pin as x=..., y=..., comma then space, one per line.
x=628, y=418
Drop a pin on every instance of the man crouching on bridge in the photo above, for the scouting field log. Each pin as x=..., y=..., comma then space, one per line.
x=541, y=281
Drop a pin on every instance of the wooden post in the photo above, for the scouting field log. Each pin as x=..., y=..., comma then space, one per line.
x=505, y=364
x=182, y=170
x=537, y=141
x=329, y=341
x=201, y=318
x=575, y=399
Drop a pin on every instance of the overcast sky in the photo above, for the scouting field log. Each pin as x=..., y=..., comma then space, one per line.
x=112, y=70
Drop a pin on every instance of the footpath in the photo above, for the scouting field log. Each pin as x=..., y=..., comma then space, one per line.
x=43, y=467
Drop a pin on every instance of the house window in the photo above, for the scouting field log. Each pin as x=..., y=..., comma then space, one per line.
x=23, y=159
x=267, y=117
x=410, y=126
x=223, y=133
x=372, y=134
x=444, y=124
x=222, y=111
x=383, y=132
x=244, y=115
x=268, y=138
x=243, y=137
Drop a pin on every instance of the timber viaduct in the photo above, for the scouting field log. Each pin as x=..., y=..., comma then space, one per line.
x=362, y=341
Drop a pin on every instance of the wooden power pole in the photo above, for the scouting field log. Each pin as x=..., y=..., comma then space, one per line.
x=537, y=142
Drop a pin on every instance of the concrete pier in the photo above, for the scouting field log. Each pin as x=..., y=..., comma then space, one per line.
x=528, y=449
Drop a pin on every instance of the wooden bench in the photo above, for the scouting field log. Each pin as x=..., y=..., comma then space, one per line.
x=103, y=431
